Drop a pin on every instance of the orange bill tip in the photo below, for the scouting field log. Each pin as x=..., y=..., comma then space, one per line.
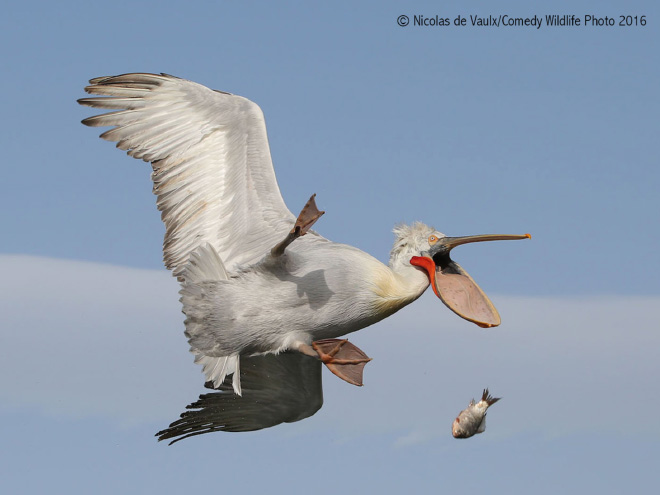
x=529, y=236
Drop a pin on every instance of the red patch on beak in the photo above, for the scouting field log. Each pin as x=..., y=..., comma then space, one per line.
x=429, y=265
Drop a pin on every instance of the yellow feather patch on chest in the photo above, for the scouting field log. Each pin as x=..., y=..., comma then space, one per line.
x=391, y=292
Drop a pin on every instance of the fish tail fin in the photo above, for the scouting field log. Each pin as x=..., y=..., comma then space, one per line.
x=486, y=397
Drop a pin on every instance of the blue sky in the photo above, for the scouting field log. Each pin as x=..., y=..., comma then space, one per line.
x=474, y=130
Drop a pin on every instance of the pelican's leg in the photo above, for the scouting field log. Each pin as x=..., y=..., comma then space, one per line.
x=309, y=214
x=342, y=358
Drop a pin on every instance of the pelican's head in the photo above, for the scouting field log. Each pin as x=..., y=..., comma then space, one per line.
x=426, y=248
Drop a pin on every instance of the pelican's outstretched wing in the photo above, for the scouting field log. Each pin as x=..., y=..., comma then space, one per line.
x=280, y=388
x=212, y=170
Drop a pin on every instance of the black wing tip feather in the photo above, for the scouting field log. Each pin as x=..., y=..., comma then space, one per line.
x=128, y=77
x=135, y=80
x=136, y=85
x=195, y=420
x=132, y=80
x=221, y=409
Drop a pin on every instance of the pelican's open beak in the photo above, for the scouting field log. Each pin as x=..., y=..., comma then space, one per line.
x=454, y=286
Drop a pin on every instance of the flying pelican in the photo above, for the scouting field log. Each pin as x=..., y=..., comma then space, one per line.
x=255, y=280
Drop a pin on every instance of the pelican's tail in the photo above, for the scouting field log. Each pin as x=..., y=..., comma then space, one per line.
x=204, y=268
x=217, y=368
x=203, y=264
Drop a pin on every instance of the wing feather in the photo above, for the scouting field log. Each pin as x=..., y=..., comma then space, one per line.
x=281, y=388
x=212, y=169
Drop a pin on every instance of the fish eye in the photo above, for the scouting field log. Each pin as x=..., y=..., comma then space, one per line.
x=433, y=239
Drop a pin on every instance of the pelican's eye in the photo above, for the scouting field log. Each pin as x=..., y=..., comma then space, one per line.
x=432, y=240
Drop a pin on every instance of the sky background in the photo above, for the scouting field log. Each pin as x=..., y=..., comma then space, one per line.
x=473, y=130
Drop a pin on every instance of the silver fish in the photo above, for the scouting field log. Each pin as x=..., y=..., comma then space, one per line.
x=472, y=420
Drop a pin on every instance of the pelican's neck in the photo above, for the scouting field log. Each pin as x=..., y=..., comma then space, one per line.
x=398, y=285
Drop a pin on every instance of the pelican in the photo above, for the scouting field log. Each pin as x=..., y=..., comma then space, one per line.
x=255, y=279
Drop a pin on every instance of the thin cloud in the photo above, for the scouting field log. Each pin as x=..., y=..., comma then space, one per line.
x=84, y=339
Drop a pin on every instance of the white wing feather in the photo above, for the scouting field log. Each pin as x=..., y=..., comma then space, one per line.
x=212, y=169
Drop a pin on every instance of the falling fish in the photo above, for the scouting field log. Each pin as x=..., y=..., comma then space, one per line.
x=472, y=420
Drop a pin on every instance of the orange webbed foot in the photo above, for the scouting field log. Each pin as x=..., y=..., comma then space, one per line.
x=342, y=358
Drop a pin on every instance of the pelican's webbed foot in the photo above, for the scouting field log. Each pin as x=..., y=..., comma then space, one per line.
x=344, y=359
x=309, y=214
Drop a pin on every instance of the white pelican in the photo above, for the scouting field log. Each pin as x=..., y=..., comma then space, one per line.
x=254, y=279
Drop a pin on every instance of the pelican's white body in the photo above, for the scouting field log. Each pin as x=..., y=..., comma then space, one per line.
x=316, y=290
x=223, y=212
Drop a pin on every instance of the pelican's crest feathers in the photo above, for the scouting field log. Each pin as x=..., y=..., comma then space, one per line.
x=408, y=239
